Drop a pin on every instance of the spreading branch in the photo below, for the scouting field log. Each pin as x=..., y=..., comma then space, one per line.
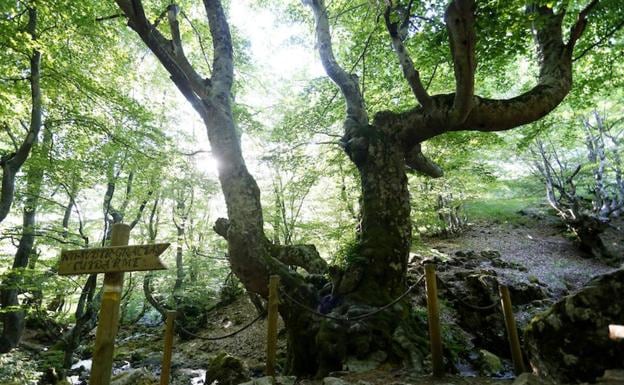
x=460, y=24
x=184, y=76
x=407, y=65
x=554, y=83
x=348, y=83
x=579, y=27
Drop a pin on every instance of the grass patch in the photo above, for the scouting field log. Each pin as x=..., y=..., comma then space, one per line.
x=502, y=210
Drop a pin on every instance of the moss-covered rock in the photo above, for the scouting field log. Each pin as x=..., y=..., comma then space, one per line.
x=227, y=370
x=134, y=377
x=570, y=342
x=490, y=363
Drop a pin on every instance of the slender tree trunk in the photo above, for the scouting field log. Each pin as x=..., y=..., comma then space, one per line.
x=181, y=228
x=86, y=315
x=152, y=227
x=13, y=319
x=12, y=163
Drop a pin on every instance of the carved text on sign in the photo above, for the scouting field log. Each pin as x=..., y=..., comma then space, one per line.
x=112, y=259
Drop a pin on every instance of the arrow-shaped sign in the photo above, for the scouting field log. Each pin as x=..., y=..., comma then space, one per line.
x=112, y=259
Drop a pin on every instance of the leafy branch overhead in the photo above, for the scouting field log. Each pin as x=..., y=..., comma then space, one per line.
x=461, y=109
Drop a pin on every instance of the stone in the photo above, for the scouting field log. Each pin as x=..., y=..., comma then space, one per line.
x=614, y=376
x=227, y=370
x=334, y=381
x=570, y=342
x=490, y=363
x=371, y=362
x=134, y=377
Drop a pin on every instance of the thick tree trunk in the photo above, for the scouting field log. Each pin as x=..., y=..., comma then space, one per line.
x=385, y=237
x=374, y=277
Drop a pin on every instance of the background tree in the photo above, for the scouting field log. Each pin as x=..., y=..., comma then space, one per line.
x=12, y=160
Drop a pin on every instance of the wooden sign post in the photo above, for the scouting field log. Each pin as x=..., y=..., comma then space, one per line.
x=272, y=308
x=435, y=333
x=113, y=261
x=165, y=368
x=512, y=331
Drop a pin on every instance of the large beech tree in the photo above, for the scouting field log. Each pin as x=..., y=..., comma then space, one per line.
x=383, y=148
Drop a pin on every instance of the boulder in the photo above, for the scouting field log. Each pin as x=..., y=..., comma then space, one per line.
x=489, y=362
x=227, y=370
x=570, y=342
x=134, y=377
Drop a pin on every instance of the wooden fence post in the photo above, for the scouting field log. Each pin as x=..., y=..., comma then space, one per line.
x=272, y=325
x=435, y=336
x=109, y=315
x=165, y=371
x=512, y=331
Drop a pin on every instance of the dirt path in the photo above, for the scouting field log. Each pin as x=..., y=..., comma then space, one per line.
x=536, y=244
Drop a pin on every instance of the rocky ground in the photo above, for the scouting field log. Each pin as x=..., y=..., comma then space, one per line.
x=530, y=255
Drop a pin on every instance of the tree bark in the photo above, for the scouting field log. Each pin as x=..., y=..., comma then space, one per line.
x=13, y=315
x=181, y=230
x=12, y=163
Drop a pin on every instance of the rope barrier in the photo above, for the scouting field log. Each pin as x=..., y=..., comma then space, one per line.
x=220, y=337
x=357, y=318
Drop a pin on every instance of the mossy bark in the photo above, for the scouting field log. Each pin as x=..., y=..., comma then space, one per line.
x=373, y=277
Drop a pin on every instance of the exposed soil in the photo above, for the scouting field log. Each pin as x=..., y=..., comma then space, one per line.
x=536, y=243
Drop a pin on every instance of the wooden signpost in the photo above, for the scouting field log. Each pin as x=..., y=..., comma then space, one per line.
x=165, y=368
x=113, y=262
x=272, y=308
x=435, y=331
x=512, y=331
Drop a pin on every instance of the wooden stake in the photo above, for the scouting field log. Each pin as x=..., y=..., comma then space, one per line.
x=512, y=331
x=109, y=316
x=435, y=336
x=165, y=371
x=272, y=325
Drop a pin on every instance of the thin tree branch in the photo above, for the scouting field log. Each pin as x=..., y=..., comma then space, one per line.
x=579, y=27
x=407, y=65
x=600, y=41
x=347, y=83
x=110, y=17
